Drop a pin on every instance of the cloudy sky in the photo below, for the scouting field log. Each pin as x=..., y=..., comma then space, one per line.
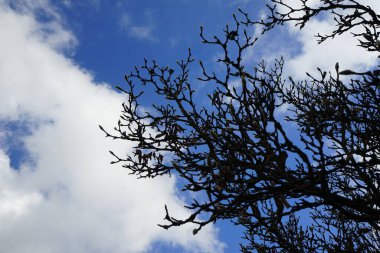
x=59, y=61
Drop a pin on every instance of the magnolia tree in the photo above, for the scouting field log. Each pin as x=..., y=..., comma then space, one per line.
x=316, y=190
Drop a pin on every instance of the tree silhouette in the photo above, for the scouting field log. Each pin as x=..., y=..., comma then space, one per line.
x=314, y=191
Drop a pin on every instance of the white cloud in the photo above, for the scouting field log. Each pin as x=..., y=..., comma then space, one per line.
x=139, y=31
x=69, y=199
x=143, y=32
x=67, y=3
x=240, y=2
x=342, y=49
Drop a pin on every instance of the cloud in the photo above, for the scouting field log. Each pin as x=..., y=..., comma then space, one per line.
x=301, y=49
x=342, y=49
x=240, y=2
x=139, y=31
x=67, y=197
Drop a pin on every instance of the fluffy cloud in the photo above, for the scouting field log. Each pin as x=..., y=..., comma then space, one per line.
x=66, y=197
x=342, y=49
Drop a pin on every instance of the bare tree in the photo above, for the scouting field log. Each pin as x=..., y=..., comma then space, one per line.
x=316, y=191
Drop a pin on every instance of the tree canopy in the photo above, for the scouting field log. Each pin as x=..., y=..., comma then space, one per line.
x=314, y=191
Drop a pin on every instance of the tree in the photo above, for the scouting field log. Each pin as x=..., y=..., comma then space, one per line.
x=317, y=191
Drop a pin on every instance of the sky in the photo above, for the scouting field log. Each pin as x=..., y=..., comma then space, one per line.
x=59, y=62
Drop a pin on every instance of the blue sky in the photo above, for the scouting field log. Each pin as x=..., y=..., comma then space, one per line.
x=59, y=61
